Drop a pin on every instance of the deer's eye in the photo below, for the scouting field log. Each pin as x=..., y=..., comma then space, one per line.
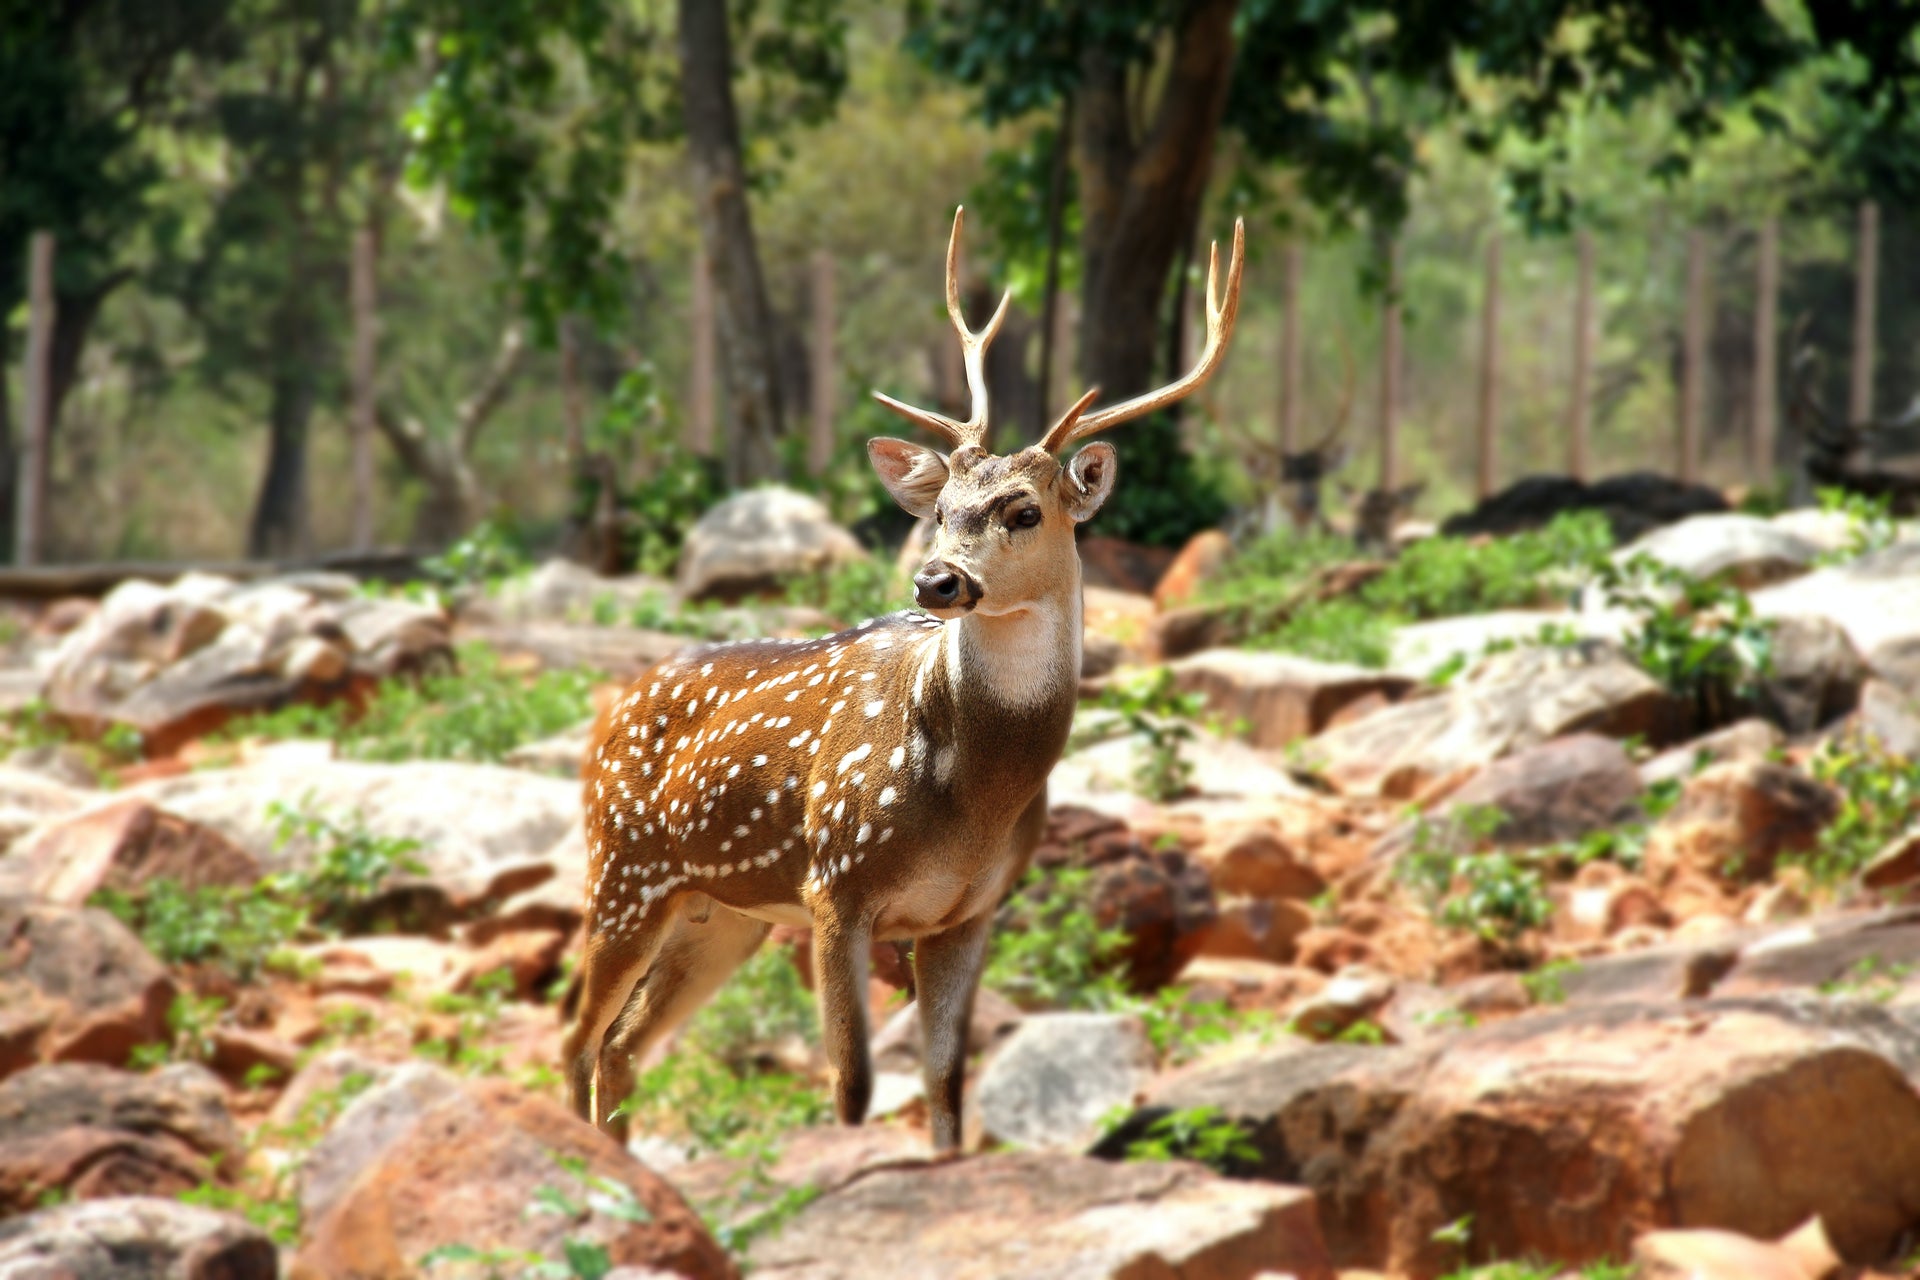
x=1026, y=517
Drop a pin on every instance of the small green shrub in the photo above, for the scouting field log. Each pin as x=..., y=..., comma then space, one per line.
x=233, y=928
x=351, y=867
x=1496, y=894
x=1699, y=638
x=1181, y=1028
x=480, y=713
x=764, y=1002
x=1048, y=949
x=1203, y=1134
x=191, y=1019
x=1879, y=795
x=1150, y=706
x=493, y=550
x=1870, y=523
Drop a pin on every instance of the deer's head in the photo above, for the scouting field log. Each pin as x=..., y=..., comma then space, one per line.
x=1003, y=524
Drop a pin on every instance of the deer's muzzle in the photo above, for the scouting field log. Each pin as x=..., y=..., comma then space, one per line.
x=940, y=585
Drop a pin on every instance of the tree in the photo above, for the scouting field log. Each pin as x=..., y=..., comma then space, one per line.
x=79, y=80
x=531, y=110
x=1333, y=99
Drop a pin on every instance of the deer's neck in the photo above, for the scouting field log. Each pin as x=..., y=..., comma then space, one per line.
x=1025, y=661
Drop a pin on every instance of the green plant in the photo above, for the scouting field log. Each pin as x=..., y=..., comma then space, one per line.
x=494, y=549
x=1340, y=630
x=1870, y=978
x=1699, y=638
x=277, y=1214
x=1879, y=794
x=34, y=725
x=1203, y=1134
x=1496, y=894
x=475, y=1012
x=764, y=1002
x=1547, y=984
x=1151, y=706
x=480, y=712
x=579, y=1259
x=1048, y=948
x=754, y=1204
x=657, y=611
x=852, y=590
x=1181, y=1027
x=191, y=1019
x=1870, y=523
x=351, y=865
x=234, y=928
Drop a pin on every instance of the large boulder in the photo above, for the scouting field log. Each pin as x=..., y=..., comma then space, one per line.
x=1510, y=702
x=1875, y=599
x=1750, y=551
x=75, y=986
x=1058, y=1217
x=134, y=1238
x=466, y=1165
x=122, y=844
x=1815, y=676
x=1281, y=697
x=1556, y=791
x=177, y=661
x=84, y=1132
x=1735, y=820
x=485, y=832
x=1059, y=1074
x=758, y=539
x=1567, y=1133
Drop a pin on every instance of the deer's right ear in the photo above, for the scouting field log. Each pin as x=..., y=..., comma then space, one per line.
x=913, y=474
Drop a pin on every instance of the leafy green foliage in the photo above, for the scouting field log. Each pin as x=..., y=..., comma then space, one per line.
x=34, y=725
x=480, y=712
x=852, y=591
x=763, y=1003
x=491, y=550
x=353, y=864
x=233, y=928
x=1152, y=708
x=579, y=1259
x=1698, y=638
x=1879, y=794
x=1204, y=1134
x=191, y=1019
x=1049, y=950
x=1496, y=894
x=1870, y=523
x=1183, y=498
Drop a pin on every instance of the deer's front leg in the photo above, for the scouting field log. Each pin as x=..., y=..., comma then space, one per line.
x=946, y=972
x=840, y=972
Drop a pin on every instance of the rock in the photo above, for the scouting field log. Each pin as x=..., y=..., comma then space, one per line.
x=898, y=1045
x=1257, y=861
x=814, y=1161
x=175, y=662
x=485, y=832
x=1422, y=648
x=1889, y=717
x=1713, y=1255
x=1633, y=503
x=1896, y=864
x=1512, y=701
x=1281, y=697
x=1750, y=551
x=97, y=990
x=756, y=540
x=1566, y=1133
x=561, y=590
x=1246, y=984
x=1192, y=629
x=1256, y=929
x=1355, y=994
x=1556, y=791
x=1114, y=565
x=624, y=653
x=1160, y=899
x=1036, y=1215
x=563, y=754
x=1734, y=821
x=1750, y=740
x=1816, y=675
x=29, y=797
x=1875, y=599
x=529, y=957
x=323, y=1088
x=1198, y=563
x=1851, y=952
x=463, y=1165
x=86, y=1132
x=1103, y=774
x=122, y=844
x=1058, y=1074
x=134, y=1238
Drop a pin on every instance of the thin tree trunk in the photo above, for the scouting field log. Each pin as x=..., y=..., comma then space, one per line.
x=1488, y=471
x=748, y=355
x=1290, y=351
x=7, y=464
x=821, y=382
x=365, y=337
x=1577, y=412
x=1766, y=350
x=1866, y=296
x=700, y=364
x=37, y=401
x=1390, y=371
x=1056, y=223
x=1140, y=198
x=1693, y=384
x=279, y=526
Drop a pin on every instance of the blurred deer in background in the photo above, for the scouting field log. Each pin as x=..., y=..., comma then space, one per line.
x=1842, y=454
x=888, y=782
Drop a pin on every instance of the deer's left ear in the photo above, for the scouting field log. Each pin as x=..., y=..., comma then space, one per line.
x=1088, y=479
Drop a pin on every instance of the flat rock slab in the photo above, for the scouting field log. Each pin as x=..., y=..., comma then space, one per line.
x=1749, y=550
x=134, y=1238
x=1281, y=697
x=1875, y=599
x=1043, y=1217
x=485, y=831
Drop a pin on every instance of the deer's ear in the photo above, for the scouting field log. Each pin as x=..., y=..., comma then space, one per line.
x=913, y=474
x=1088, y=479
x=1406, y=493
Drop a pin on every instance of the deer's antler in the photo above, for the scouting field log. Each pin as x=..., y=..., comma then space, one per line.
x=973, y=349
x=1077, y=424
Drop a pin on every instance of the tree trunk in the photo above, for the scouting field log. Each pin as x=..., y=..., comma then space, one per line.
x=1139, y=196
x=7, y=464
x=279, y=525
x=748, y=358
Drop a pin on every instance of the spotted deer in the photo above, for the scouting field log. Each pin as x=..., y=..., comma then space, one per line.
x=883, y=783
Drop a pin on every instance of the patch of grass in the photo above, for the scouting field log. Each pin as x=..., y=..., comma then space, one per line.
x=475, y=1013
x=34, y=726
x=1870, y=978
x=1203, y=1134
x=191, y=1020
x=353, y=865
x=1049, y=950
x=479, y=712
x=1181, y=1028
x=1495, y=894
x=1870, y=523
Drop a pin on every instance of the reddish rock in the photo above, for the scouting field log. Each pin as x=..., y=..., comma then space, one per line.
x=1249, y=985
x=1706, y=1254
x=1122, y=566
x=1198, y=563
x=464, y=1169
x=1897, y=864
x=1734, y=820
x=123, y=845
x=1029, y=1214
x=95, y=991
x=239, y=1055
x=1256, y=929
x=1329, y=949
x=529, y=957
x=1256, y=861
x=1280, y=697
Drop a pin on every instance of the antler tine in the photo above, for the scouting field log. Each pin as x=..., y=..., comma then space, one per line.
x=973, y=351
x=1221, y=311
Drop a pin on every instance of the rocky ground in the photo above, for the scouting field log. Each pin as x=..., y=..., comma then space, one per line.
x=1549, y=966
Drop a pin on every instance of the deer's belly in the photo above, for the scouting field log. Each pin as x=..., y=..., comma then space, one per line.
x=779, y=913
x=933, y=903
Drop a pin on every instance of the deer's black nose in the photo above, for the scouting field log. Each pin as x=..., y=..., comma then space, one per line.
x=939, y=585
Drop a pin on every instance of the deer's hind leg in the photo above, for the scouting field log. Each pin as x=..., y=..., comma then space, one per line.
x=695, y=960
x=614, y=958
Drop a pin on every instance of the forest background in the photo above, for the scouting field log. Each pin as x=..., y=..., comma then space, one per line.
x=538, y=180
